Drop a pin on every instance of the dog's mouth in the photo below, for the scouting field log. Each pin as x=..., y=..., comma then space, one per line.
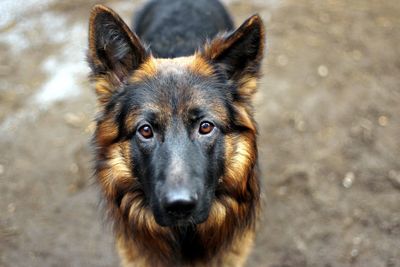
x=180, y=222
x=181, y=218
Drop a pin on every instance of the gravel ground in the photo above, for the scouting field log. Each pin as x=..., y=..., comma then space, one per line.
x=328, y=111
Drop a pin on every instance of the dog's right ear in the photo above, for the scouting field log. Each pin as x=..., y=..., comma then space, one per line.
x=114, y=50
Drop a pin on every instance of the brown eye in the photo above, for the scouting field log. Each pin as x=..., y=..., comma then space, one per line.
x=206, y=127
x=146, y=131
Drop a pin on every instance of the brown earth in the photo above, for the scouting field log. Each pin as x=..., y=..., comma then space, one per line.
x=329, y=120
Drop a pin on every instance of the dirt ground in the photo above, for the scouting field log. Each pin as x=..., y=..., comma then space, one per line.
x=328, y=110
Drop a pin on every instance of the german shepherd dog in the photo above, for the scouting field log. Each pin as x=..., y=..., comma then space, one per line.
x=175, y=140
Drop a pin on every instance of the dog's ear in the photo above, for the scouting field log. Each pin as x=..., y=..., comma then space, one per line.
x=114, y=50
x=239, y=53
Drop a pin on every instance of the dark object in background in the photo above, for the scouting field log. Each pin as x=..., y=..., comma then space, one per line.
x=177, y=28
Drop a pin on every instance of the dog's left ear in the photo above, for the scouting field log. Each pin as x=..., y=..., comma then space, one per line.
x=240, y=52
x=114, y=50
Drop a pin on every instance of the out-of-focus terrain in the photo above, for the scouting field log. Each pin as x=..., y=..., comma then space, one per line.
x=328, y=110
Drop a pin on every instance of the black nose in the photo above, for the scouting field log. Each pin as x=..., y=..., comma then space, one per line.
x=180, y=204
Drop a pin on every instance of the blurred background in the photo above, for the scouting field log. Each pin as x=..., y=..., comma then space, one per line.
x=328, y=110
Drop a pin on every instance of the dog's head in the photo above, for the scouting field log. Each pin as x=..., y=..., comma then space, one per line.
x=170, y=131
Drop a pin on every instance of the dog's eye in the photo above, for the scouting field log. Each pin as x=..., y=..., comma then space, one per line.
x=206, y=127
x=146, y=131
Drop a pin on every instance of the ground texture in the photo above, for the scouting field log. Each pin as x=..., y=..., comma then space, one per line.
x=328, y=110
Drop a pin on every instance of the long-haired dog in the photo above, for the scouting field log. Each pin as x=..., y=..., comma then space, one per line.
x=175, y=142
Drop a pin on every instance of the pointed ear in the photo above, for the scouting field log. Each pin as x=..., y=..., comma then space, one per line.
x=240, y=52
x=114, y=50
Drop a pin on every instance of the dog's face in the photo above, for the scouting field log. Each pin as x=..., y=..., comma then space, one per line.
x=170, y=119
x=177, y=121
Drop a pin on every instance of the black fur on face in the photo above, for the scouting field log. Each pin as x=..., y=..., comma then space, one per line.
x=179, y=163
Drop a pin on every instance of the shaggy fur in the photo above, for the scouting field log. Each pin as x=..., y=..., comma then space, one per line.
x=173, y=96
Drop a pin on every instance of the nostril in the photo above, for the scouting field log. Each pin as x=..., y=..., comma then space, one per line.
x=180, y=204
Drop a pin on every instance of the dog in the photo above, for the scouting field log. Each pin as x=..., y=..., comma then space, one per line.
x=175, y=149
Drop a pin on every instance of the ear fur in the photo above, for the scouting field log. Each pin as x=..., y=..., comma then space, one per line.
x=239, y=53
x=114, y=50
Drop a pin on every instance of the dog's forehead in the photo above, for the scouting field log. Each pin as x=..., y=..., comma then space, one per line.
x=194, y=64
x=179, y=85
x=180, y=66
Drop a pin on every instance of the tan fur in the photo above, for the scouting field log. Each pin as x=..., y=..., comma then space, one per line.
x=234, y=257
x=146, y=70
x=152, y=66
